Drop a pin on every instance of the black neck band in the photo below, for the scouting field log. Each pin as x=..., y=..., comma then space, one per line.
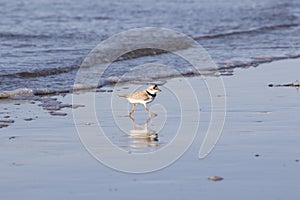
x=152, y=95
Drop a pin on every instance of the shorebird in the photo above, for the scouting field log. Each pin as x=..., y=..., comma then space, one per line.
x=141, y=97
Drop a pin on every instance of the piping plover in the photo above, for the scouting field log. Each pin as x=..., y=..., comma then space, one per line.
x=142, y=97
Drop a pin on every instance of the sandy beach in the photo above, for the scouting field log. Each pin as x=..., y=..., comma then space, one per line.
x=257, y=154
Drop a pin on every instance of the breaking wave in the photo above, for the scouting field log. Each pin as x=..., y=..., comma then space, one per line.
x=224, y=68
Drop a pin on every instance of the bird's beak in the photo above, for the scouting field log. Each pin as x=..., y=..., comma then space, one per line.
x=158, y=89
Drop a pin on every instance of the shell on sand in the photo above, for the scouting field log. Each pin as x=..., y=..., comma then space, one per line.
x=215, y=178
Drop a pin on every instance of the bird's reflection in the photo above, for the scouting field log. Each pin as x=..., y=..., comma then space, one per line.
x=141, y=136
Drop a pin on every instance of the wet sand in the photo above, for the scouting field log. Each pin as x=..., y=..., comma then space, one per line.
x=257, y=154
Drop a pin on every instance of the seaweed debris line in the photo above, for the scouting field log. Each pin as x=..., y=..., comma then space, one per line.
x=294, y=84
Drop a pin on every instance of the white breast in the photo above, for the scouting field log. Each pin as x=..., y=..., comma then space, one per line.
x=150, y=99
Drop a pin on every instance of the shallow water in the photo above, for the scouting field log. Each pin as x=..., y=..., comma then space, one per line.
x=44, y=42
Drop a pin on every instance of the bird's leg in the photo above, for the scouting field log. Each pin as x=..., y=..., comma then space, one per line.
x=151, y=113
x=132, y=109
x=147, y=109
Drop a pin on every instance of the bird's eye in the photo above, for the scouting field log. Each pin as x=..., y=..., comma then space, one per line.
x=155, y=86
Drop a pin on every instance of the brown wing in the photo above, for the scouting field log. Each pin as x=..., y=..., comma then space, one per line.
x=139, y=95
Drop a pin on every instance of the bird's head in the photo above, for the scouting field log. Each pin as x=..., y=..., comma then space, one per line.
x=153, y=89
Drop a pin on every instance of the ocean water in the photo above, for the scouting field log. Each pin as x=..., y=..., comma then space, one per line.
x=43, y=43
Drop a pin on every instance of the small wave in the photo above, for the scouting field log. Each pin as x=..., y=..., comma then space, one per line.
x=140, y=53
x=248, y=31
x=17, y=92
x=54, y=71
x=42, y=72
x=27, y=93
x=23, y=36
x=61, y=35
x=255, y=61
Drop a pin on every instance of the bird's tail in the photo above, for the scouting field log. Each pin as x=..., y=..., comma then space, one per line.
x=123, y=95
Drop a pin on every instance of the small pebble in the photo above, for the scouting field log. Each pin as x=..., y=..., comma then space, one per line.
x=28, y=119
x=6, y=116
x=65, y=106
x=215, y=178
x=16, y=164
x=297, y=160
x=3, y=125
x=256, y=155
x=9, y=121
x=77, y=106
x=58, y=114
x=53, y=108
x=12, y=137
x=100, y=90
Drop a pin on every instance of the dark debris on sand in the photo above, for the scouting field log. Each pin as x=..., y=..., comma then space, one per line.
x=58, y=113
x=48, y=103
x=12, y=137
x=6, y=122
x=3, y=125
x=294, y=84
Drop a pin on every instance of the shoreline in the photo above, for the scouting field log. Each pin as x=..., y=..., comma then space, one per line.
x=224, y=68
